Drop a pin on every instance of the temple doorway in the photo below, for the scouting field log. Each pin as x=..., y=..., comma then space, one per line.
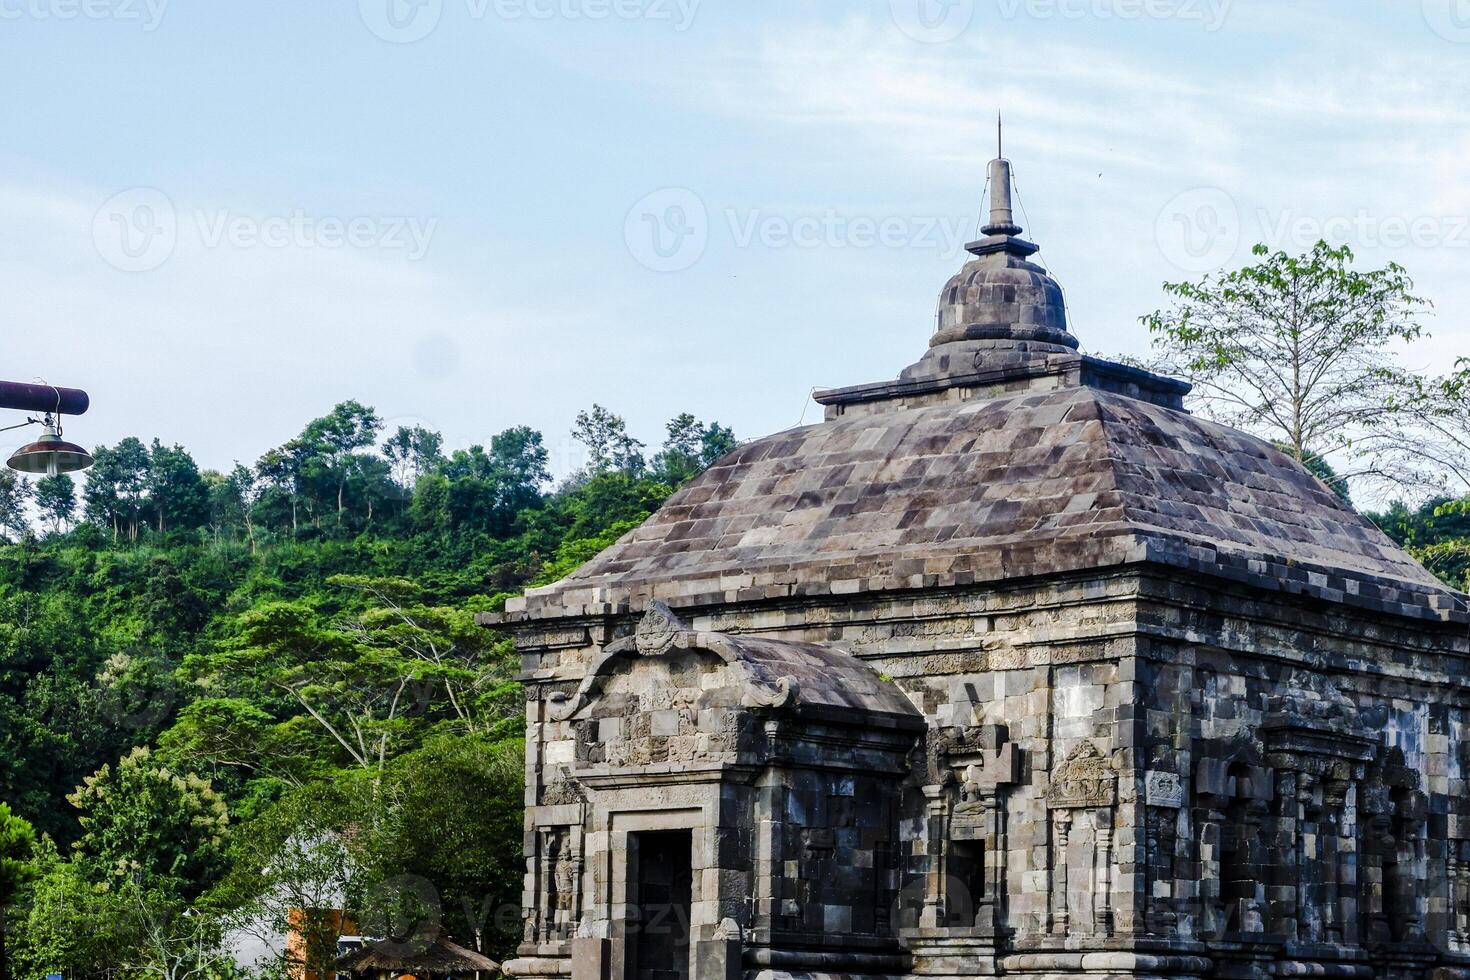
x=662, y=878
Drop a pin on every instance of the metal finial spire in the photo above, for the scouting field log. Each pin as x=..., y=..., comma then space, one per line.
x=1002, y=221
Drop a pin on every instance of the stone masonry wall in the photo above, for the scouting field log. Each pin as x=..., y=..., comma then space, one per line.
x=1217, y=779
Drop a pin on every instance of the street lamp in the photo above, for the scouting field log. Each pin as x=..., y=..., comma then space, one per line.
x=50, y=454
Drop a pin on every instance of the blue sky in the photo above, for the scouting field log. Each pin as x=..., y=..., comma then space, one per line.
x=223, y=218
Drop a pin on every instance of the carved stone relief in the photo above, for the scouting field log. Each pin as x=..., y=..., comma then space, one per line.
x=1085, y=779
x=1164, y=789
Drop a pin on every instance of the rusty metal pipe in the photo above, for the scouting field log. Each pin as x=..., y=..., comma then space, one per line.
x=43, y=398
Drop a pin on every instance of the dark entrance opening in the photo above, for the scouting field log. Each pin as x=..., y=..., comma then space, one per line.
x=966, y=882
x=661, y=876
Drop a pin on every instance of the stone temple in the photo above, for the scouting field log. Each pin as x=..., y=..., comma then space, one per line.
x=1010, y=667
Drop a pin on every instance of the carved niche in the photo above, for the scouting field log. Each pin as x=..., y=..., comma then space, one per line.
x=970, y=768
x=555, y=916
x=977, y=761
x=967, y=820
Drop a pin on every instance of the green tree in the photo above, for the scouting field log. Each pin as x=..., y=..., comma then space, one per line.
x=116, y=487
x=153, y=843
x=607, y=500
x=56, y=499
x=691, y=446
x=292, y=867
x=452, y=817
x=1295, y=348
x=177, y=494
x=280, y=475
x=14, y=492
x=17, y=841
x=149, y=826
x=67, y=926
x=429, y=510
x=519, y=459
x=412, y=451
x=232, y=500
x=462, y=673
x=332, y=703
x=330, y=446
x=609, y=446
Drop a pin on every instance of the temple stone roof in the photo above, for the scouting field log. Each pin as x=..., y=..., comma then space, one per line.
x=1038, y=483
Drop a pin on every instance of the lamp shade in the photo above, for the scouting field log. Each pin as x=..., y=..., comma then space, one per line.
x=50, y=455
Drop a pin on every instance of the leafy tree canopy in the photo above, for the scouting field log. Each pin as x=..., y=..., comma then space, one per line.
x=1298, y=349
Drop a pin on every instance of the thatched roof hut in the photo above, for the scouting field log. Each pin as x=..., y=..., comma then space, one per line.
x=440, y=958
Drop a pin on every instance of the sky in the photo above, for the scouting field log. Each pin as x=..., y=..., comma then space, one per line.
x=222, y=218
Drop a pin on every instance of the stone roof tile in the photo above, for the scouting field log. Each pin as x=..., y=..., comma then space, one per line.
x=1034, y=483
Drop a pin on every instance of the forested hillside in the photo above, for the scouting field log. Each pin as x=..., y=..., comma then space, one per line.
x=224, y=695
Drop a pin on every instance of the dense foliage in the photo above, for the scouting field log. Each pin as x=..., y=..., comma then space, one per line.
x=233, y=701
